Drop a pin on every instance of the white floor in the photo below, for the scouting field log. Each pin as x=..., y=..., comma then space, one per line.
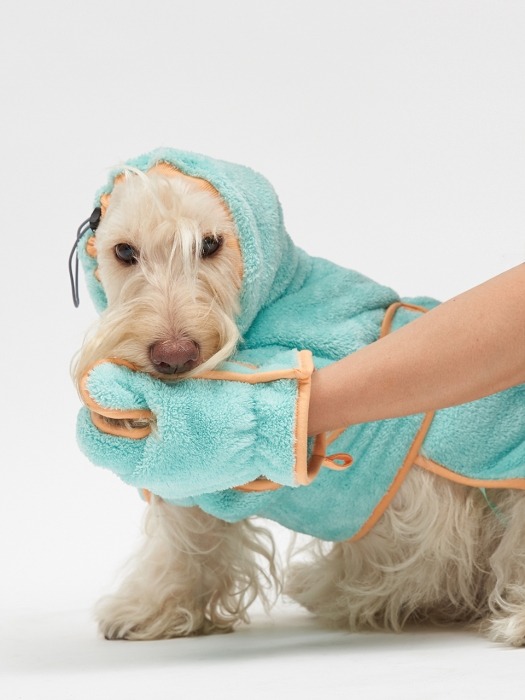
x=59, y=656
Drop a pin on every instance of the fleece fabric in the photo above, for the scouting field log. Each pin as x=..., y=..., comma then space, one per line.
x=226, y=428
x=291, y=301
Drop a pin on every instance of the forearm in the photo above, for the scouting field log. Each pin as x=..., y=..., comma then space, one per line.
x=466, y=348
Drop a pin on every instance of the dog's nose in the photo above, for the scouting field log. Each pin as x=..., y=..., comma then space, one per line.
x=174, y=356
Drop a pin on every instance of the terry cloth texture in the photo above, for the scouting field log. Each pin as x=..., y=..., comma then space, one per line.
x=291, y=301
x=221, y=430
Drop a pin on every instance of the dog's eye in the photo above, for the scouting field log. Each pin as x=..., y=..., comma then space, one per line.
x=210, y=245
x=126, y=253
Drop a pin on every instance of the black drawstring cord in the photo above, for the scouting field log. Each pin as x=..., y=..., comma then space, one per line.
x=91, y=223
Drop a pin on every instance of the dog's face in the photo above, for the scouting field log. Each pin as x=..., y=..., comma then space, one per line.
x=170, y=264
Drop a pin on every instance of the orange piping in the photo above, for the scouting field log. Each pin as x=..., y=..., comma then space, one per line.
x=440, y=470
x=398, y=479
x=91, y=247
x=119, y=430
x=99, y=412
x=416, y=443
x=391, y=312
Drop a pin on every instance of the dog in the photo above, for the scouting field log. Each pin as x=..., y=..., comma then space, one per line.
x=169, y=261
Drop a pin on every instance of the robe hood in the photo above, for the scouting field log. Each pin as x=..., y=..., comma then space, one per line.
x=270, y=259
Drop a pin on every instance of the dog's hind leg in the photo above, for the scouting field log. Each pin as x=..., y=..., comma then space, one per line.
x=426, y=558
x=507, y=599
x=193, y=575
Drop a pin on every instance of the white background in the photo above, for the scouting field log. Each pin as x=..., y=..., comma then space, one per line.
x=393, y=132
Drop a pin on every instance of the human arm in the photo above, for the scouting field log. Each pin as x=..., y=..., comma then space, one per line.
x=468, y=347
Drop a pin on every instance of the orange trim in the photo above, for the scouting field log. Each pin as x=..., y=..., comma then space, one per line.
x=104, y=203
x=300, y=373
x=248, y=365
x=330, y=463
x=334, y=434
x=398, y=479
x=391, y=312
x=104, y=199
x=91, y=246
x=446, y=473
x=309, y=471
x=99, y=412
x=385, y=329
x=305, y=470
x=119, y=430
x=416, y=443
x=258, y=485
x=91, y=250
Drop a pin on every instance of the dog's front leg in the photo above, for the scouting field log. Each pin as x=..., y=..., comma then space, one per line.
x=194, y=574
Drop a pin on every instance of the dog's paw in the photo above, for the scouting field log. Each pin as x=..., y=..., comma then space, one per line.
x=509, y=629
x=135, y=620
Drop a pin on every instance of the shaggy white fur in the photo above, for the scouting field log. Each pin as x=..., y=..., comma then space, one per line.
x=193, y=575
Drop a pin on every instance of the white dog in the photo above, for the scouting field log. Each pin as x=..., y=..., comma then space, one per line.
x=440, y=551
